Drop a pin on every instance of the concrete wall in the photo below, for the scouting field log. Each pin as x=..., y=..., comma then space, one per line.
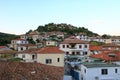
x=42, y=59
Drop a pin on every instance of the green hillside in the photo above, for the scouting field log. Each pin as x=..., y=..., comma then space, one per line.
x=6, y=38
x=63, y=27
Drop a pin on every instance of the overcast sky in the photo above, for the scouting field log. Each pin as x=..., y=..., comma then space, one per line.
x=100, y=16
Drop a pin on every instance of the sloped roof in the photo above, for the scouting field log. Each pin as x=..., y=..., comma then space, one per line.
x=111, y=45
x=29, y=71
x=30, y=51
x=115, y=37
x=94, y=47
x=6, y=51
x=27, y=45
x=106, y=56
x=73, y=39
x=50, y=49
x=34, y=33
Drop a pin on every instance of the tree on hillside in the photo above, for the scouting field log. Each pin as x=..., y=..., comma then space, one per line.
x=6, y=38
x=30, y=40
x=29, y=31
x=105, y=36
x=63, y=27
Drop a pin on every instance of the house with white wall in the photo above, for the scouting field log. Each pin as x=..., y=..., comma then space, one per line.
x=97, y=39
x=51, y=43
x=51, y=56
x=111, y=47
x=74, y=46
x=115, y=39
x=23, y=47
x=35, y=35
x=107, y=41
x=100, y=71
x=28, y=55
x=14, y=43
x=48, y=55
x=82, y=36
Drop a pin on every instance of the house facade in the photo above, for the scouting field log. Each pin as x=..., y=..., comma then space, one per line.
x=82, y=36
x=51, y=56
x=51, y=43
x=14, y=43
x=48, y=55
x=100, y=71
x=35, y=35
x=23, y=47
x=74, y=46
x=97, y=39
x=111, y=47
x=107, y=41
x=28, y=55
x=115, y=39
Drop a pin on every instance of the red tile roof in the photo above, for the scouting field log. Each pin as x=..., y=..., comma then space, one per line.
x=94, y=47
x=50, y=49
x=73, y=39
x=106, y=56
x=27, y=45
x=6, y=51
x=29, y=71
x=32, y=50
x=2, y=47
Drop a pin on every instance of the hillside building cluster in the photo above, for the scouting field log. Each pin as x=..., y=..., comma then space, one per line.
x=78, y=58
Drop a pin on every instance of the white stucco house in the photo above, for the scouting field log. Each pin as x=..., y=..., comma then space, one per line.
x=23, y=47
x=74, y=46
x=82, y=36
x=48, y=55
x=28, y=55
x=15, y=42
x=51, y=43
x=100, y=71
x=51, y=56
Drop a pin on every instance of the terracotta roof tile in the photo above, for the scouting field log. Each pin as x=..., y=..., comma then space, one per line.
x=6, y=51
x=106, y=56
x=50, y=49
x=73, y=39
x=29, y=71
x=94, y=47
x=32, y=50
x=27, y=45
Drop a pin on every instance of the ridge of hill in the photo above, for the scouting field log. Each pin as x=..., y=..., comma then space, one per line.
x=5, y=38
x=63, y=27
